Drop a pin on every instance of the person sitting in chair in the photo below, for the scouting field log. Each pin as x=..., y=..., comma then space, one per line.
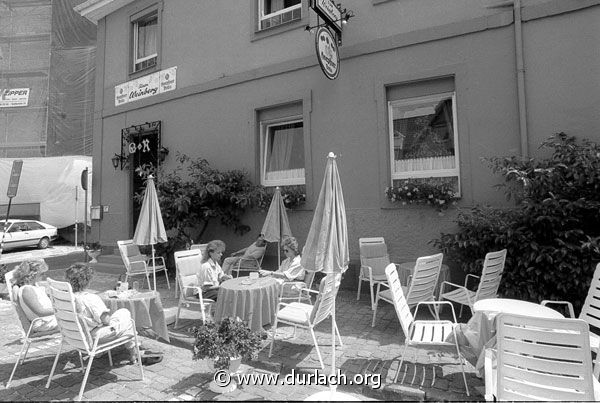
x=252, y=252
x=32, y=299
x=211, y=274
x=290, y=269
x=95, y=313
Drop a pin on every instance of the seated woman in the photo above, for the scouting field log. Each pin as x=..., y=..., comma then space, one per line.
x=211, y=274
x=254, y=251
x=290, y=269
x=33, y=299
x=95, y=313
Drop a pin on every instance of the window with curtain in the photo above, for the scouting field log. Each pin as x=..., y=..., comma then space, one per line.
x=145, y=41
x=272, y=13
x=423, y=137
x=282, y=146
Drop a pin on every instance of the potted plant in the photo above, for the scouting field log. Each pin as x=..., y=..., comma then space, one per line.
x=93, y=249
x=225, y=344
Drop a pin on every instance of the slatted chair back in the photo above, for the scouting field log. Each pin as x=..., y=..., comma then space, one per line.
x=130, y=253
x=491, y=275
x=373, y=253
x=424, y=279
x=590, y=312
x=543, y=359
x=13, y=294
x=74, y=331
x=187, y=263
x=400, y=304
x=324, y=304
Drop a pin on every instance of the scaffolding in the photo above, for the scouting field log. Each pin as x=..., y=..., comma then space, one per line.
x=48, y=52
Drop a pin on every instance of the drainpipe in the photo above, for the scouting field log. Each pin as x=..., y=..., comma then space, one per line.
x=520, y=66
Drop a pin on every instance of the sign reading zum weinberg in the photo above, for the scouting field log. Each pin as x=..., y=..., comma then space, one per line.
x=147, y=86
x=13, y=97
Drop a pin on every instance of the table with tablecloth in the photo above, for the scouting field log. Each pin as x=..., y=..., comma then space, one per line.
x=405, y=270
x=252, y=300
x=479, y=333
x=145, y=307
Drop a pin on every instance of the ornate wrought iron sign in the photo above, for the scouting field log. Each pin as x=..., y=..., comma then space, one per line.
x=140, y=144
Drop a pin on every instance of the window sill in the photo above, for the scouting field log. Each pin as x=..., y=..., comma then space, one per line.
x=144, y=72
x=279, y=29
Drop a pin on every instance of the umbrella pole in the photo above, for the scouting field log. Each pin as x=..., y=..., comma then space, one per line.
x=333, y=387
x=278, y=255
x=153, y=267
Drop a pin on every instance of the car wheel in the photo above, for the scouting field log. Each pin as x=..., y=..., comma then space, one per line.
x=44, y=242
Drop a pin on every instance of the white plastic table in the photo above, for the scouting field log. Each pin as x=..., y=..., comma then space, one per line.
x=479, y=334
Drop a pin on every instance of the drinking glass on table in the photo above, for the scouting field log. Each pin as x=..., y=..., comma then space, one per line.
x=253, y=275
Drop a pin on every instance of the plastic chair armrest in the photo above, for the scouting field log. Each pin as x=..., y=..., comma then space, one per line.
x=436, y=303
x=468, y=277
x=567, y=303
x=158, y=260
x=443, y=286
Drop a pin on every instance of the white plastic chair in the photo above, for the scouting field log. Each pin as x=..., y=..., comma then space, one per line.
x=489, y=282
x=374, y=259
x=187, y=263
x=540, y=359
x=297, y=290
x=248, y=263
x=422, y=283
x=28, y=335
x=590, y=312
x=76, y=334
x=429, y=333
x=137, y=264
x=308, y=316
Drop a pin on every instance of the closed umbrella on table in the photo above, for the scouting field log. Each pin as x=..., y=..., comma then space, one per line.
x=150, y=228
x=326, y=249
x=277, y=225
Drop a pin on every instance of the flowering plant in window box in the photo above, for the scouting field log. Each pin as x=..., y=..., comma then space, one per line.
x=293, y=196
x=439, y=194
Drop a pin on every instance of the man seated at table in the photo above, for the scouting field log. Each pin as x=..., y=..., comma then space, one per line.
x=251, y=253
x=211, y=274
x=95, y=313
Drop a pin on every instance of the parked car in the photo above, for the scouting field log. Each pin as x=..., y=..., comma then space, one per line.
x=20, y=233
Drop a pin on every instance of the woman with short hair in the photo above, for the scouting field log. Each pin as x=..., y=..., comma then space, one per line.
x=95, y=313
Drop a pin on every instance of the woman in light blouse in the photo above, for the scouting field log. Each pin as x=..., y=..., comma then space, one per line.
x=290, y=269
x=211, y=274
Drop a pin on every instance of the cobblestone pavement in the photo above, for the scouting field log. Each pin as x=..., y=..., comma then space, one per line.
x=366, y=350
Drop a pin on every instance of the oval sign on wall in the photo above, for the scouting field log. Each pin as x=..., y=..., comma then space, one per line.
x=327, y=52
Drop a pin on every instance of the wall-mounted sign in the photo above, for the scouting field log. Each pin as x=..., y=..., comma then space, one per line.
x=13, y=97
x=327, y=52
x=329, y=12
x=147, y=86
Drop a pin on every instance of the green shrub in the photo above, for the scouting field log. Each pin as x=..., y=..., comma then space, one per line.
x=552, y=235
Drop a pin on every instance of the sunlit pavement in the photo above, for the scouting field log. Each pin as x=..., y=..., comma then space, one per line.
x=366, y=351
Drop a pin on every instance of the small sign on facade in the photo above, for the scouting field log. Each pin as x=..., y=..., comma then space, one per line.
x=331, y=13
x=14, y=97
x=147, y=86
x=327, y=52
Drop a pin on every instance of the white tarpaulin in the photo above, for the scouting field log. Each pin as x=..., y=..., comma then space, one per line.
x=52, y=182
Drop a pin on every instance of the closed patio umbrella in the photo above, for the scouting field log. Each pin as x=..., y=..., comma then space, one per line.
x=326, y=249
x=150, y=228
x=276, y=226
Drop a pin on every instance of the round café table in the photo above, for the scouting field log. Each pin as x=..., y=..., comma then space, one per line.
x=405, y=270
x=252, y=300
x=479, y=333
x=145, y=307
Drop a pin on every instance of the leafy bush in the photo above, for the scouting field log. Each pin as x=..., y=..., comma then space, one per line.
x=552, y=235
x=195, y=194
x=4, y=268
